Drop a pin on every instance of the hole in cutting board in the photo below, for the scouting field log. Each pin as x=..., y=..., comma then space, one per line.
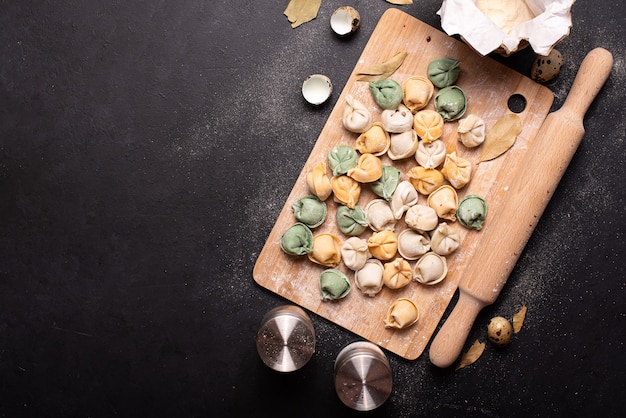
x=517, y=103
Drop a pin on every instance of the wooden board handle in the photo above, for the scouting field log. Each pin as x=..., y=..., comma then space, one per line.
x=554, y=146
x=451, y=337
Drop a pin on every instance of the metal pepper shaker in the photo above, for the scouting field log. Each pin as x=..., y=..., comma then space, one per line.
x=286, y=339
x=363, y=378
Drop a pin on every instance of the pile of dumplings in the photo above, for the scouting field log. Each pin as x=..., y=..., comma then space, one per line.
x=386, y=259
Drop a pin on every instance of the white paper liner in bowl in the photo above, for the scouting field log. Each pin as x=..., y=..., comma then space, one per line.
x=551, y=24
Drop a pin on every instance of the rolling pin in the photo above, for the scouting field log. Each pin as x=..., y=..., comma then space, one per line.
x=527, y=197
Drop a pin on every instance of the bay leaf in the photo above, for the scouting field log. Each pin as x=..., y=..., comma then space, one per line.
x=518, y=319
x=501, y=137
x=400, y=1
x=302, y=11
x=382, y=70
x=473, y=354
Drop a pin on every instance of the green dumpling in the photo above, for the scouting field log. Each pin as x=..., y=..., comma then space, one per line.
x=443, y=72
x=351, y=221
x=342, y=158
x=297, y=240
x=310, y=211
x=387, y=93
x=334, y=284
x=387, y=183
x=450, y=103
x=472, y=212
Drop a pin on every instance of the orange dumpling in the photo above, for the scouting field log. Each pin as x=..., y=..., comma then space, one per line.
x=428, y=124
x=346, y=191
x=369, y=168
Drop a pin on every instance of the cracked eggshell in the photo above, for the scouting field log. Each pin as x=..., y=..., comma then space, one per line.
x=317, y=88
x=345, y=20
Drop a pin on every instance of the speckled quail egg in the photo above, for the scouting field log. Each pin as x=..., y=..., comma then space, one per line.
x=546, y=67
x=499, y=331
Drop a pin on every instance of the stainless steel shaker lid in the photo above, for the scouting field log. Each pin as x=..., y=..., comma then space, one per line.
x=363, y=378
x=286, y=339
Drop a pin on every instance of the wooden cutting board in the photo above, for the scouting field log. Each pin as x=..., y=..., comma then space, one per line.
x=488, y=86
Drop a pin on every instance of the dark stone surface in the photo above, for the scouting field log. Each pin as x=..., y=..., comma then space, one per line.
x=146, y=149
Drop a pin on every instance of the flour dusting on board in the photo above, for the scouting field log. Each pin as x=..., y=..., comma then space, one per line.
x=490, y=178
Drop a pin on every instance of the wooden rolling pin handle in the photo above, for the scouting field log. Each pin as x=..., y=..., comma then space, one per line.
x=455, y=329
x=591, y=76
x=554, y=157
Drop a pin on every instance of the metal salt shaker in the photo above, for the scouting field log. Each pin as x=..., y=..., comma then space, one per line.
x=286, y=339
x=362, y=376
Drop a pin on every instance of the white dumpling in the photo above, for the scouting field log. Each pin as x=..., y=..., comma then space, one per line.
x=397, y=120
x=356, y=117
x=431, y=154
x=421, y=218
x=403, y=198
x=430, y=269
x=403, y=145
x=379, y=215
x=412, y=244
x=354, y=253
x=471, y=131
x=445, y=239
x=369, y=278
x=445, y=202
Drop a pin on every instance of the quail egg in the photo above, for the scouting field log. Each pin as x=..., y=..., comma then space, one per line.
x=546, y=67
x=499, y=331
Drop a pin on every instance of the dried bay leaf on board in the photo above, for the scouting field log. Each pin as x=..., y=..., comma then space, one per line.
x=518, y=319
x=382, y=70
x=501, y=137
x=473, y=354
x=400, y=1
x=302, y=11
